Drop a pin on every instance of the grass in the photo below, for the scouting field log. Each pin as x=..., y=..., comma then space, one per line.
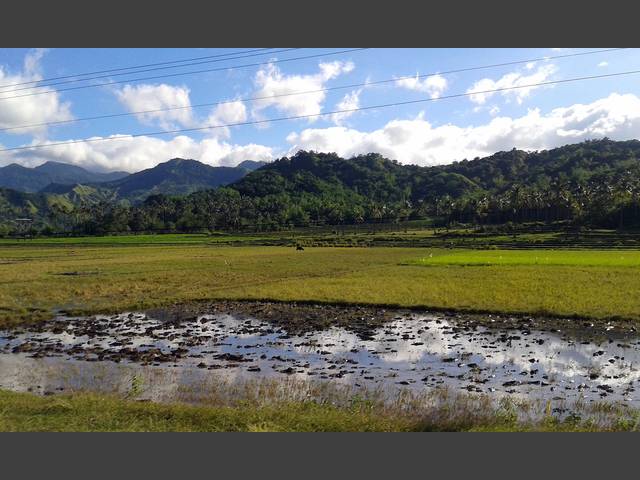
x=92, y=412
x=396, y=235
x=90, y=276
x=104, y=412
x=583, y=258
x=36, y=281
x=117, y=240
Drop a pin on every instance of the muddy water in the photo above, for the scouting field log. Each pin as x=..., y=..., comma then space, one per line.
x=414, y=351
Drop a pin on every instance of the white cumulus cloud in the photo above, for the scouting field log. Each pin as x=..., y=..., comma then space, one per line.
x=145, y=97
x=414, y=140
x=515, y=80
x=132, y=154
x=434, y=85
x=271, y=82
x=29, y=110
x=420, y=142
x=226, y=113
x=349, y=102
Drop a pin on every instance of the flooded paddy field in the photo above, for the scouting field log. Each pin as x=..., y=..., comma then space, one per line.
x=160, y=355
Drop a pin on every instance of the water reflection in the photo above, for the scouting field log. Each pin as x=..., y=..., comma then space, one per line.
x=417, y=352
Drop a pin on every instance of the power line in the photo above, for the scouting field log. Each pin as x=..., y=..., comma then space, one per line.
x=296, y=117
x=193, y=72
x=133, y=67
x=351, y=110
x=307, y=92
x=76, y=80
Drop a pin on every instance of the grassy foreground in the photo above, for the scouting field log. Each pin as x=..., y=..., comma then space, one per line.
x=38, y=279
x=35, y=281
x=91, y=412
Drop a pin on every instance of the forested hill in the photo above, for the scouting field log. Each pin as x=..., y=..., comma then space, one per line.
x=594, y=183
x=595, y=161
x=372, y=176
x=379, y=179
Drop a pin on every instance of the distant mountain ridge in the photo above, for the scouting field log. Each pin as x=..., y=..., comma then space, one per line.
x=595, y=182
x=252, y=164
x=31, y=180
x=177, y=176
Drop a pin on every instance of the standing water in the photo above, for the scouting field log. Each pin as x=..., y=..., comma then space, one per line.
x=414, y=351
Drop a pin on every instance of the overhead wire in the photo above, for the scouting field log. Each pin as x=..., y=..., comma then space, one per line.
x=307, y=92
x=334, y=112
x=77, y=80
x=132, y=67
x=179, y=74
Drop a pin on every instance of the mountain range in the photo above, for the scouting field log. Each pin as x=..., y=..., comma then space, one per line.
x=177, y=177
x=596, y=181
x=174, y=177
x=26, y=179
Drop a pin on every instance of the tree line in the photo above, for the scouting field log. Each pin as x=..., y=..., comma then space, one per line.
x=591, y=184
x=225, y=209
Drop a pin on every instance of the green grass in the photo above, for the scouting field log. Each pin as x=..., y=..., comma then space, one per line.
x=363, y=235
x=35, y=281
x=115, y=240
x=88, y=276
x=582, y=258
x=92, y=412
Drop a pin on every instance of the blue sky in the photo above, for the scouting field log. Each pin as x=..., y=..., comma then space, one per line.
x=433, y=132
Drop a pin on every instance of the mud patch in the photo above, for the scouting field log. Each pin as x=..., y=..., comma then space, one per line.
x=77, y=273
x=364, y=347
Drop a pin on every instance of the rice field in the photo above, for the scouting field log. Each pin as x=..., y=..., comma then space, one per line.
x=41, y=277
x=578, y=258
x=37, y=281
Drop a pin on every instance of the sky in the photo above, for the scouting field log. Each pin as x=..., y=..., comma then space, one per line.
x=434, y=131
